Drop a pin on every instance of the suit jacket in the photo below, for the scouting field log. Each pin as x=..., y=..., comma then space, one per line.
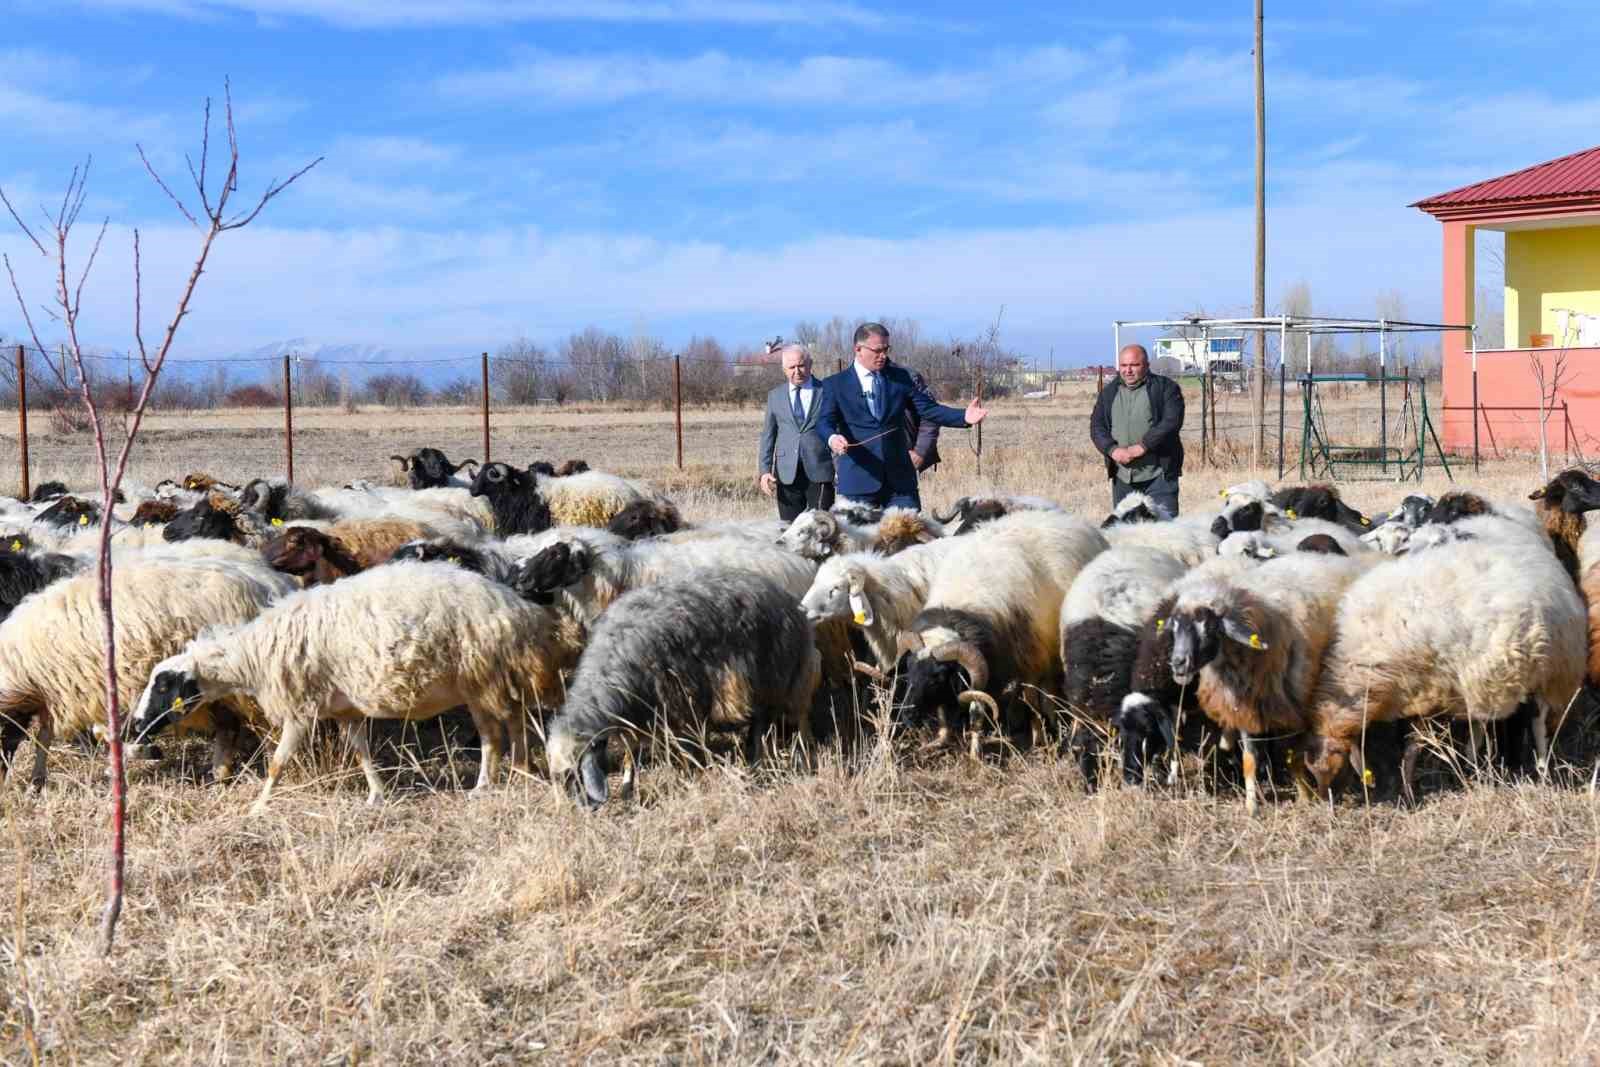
x=785, y=447
x=922, y=432
x=877, y=462
x=1165, y=439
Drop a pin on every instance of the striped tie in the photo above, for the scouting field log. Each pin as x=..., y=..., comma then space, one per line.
x=874, y=404
x=799, y=409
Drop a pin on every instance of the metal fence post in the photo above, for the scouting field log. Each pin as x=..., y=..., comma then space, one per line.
x=1205, y=422
x=1281, y=390
x=22, y=419
x=288, y=420
x=677, y=402
x=484, y=370
x=1474, y=413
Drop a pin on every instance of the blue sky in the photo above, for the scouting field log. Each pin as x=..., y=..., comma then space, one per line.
x=505, y=167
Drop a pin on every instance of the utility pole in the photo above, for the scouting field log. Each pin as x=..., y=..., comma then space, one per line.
x=1261, y=240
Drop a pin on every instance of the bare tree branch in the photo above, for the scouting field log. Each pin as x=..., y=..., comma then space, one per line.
x=23, y=226
x=151, y=170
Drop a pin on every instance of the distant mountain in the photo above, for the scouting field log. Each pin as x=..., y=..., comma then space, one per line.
x=360, y=352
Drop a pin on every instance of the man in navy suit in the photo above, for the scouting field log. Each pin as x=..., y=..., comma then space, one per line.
x=863, y=421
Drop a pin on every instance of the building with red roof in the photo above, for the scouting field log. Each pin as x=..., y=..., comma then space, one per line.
x=1550, y=215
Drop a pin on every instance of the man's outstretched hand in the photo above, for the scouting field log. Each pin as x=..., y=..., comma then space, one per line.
x=976, y=413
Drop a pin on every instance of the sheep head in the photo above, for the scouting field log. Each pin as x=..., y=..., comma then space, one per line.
x=1197, y=632
x=948, y=675
x=571, y=467
x=813, y=535
x=440, y=550
x=1135, y=507
x=429, y=468
x=835, y=592
x=309, y=553
x=539, y=577
x=1453, y=507
x=1573, y=491
x=174, y=690
x=204, y=519
x=1325, y=759
x=1144, y=730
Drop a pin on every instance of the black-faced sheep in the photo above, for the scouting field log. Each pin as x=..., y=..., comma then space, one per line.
x=1470, y=629
x=969, y=513
x=1255, y=644
x=68, y=512
x=519, y=507
x=724, y=651
x=646, y=518
x=1319, y=502
x=22, y=574
x=403, y=641
x=46, y=491
x=478, y=560
x=429, y=468
x=1102, y=617
x=990, y=629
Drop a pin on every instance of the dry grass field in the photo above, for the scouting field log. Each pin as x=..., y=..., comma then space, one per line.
x=875, y=911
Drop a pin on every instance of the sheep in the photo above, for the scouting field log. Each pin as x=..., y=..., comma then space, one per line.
x=968, y=513
x=1285, y=537
x=1136, y=507
x=1189, y=539
x=1471, y=629
x=22, y=574
x=402, y=641
x=590, y=575
x=1562, y=504
x=718, y=650
x=429, y=468
x=316, y=558
x=764, y=530
x=51, y=660
x=1319, y=502
x=571, y=467
x=68, y=511
x=479, y=560
x=213, y=517
x=154, y=512
x=47, y=491
x=589, y=498
x=646, y=518
x=1254, y=644
x=1102, y=618
x=819, y=534
x=519, y=508
x=991, y=623
x=276, y=501
x=879, y=594
x=373, y=540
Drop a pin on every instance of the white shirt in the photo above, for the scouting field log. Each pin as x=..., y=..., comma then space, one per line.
x=805, y=395
x=865, y=377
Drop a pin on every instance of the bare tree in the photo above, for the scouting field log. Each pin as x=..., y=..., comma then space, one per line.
x=518, y=372
x=211, y=219
x=1549, y=380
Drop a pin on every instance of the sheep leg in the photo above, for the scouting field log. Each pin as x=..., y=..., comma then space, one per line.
x=1247, y=763
x=43, y=734
x=355, y=734
x=294, y=732
x=490, y=736
x=1541, y=740
x=1408, y=769
x=224, y=745
x=11, y=735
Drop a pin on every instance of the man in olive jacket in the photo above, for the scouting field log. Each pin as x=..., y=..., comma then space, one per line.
x=1137, y=425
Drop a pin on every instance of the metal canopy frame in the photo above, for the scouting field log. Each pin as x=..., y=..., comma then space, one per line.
x=1325, y=457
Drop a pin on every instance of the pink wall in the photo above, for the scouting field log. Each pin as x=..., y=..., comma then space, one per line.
x=1506, y=378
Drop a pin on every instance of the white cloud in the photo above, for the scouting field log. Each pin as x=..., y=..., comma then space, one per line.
x=396, y=151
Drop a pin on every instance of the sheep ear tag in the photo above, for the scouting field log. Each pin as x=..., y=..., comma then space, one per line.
x=83, y=520
x=1236, y=631
x=16, y=546
x=860, y=610
x=277, y=522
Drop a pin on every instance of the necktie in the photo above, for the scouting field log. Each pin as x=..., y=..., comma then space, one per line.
x=874, y=402
x=799, y=409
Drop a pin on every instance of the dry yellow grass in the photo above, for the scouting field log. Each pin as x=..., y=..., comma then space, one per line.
x=867, y=913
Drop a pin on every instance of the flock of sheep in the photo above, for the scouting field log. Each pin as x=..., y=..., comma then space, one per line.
x=574, y=612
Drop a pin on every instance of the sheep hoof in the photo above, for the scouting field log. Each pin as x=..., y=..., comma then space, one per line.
x=375, y=800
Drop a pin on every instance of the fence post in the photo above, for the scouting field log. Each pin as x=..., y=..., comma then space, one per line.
x=1205, y=405
x=978, y=440
x=1474, y=410
x=22, y=419
x=484, y=369
x=1099, y=378
x=288, y=420
x=1281, y=391
x=677, y=402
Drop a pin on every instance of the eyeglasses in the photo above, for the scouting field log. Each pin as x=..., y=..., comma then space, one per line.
x=884, y=351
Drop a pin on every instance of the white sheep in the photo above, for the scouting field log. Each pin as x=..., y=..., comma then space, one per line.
x=402, y=641
x=818, y=534
x=52, y=663
x=879, y=594
x=1470, y=629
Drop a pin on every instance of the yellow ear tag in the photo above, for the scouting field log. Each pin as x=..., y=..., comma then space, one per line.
x=177, y=703
x=1222, y=493
x=83, y=520
x=277, y=522
x=858, y=609
x=452, y=559
x=16, y=546
x=1255, y=640
x=149, y=526
x=1366, y=777
x=1290, y=512
x=1159, y=624
x=1365, y=521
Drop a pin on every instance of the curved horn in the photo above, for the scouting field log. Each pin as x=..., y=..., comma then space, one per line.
x=908, y=641
x=466, y=463
x=955, y=509
x=870, y=671
x=966, y=654
x=828, y=523
x=405, y=464
x=978, y=696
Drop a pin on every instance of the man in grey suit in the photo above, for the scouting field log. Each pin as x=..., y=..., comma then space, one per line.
x=796, y=466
